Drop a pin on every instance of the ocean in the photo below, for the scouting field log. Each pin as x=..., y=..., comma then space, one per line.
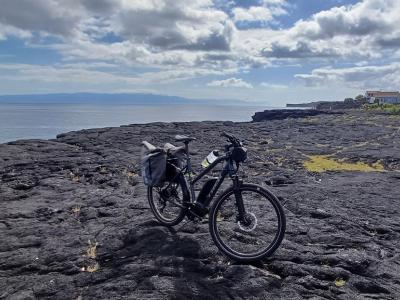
x=45, y=121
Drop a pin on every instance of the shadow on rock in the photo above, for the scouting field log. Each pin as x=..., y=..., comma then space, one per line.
x=159, y=262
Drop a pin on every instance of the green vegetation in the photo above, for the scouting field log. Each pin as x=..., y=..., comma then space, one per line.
x=339, y=282
x=322, y=163
x=393, y=109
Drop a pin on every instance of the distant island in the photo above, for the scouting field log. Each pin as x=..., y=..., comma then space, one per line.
x=112, y=98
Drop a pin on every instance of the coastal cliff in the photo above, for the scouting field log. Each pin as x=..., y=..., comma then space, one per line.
x=75, y=222
x=281, y=114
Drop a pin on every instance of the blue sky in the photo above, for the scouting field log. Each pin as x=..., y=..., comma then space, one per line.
x=270, y=51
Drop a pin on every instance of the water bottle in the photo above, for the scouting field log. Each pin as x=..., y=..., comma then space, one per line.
x=210, y=158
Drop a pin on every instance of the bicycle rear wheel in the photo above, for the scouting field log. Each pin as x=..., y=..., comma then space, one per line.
x=167, y=202
x=260, y=236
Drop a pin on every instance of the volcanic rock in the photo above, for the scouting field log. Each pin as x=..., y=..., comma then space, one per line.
x=281, y=114
x=75, y=222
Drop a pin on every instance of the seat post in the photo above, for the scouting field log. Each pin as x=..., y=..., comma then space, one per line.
x=187, y=147
x=188, y=158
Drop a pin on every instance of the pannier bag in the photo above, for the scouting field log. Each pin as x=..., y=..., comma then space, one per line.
x=176, y=155
x=154, y=163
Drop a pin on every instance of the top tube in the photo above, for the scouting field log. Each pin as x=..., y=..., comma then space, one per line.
x=209, y=168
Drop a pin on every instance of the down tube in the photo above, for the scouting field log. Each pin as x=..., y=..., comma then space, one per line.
x=216, y=187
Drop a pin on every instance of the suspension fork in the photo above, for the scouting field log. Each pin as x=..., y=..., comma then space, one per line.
x=237, y=183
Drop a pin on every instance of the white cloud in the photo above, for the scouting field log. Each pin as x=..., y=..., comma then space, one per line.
x=274, y=2
x=172, y=40
x=264, y=13
x=366, y=77
x=273, y=85
x=98, y=73
x=231, y=82
x=186, y=31
x=253, y=13
x=7, y=30
x=367, y=29
x=49, y=16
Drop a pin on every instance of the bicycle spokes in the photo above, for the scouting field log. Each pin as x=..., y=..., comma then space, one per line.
x=254, y=231
x=169, y=201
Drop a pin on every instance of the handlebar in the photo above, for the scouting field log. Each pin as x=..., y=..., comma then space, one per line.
x=232, y=139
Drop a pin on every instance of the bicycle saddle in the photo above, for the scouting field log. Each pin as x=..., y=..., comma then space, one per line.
x=184, y=138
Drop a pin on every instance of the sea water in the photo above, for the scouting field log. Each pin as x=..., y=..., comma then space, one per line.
x=45, y=121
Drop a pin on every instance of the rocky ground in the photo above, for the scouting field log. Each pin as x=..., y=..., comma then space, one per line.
x=75, y=224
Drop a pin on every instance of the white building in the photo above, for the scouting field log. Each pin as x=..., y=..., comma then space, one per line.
x=382, y=97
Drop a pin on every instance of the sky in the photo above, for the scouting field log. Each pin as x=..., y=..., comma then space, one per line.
x=269, y=51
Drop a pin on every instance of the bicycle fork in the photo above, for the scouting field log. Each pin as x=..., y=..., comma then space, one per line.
x=237, y=183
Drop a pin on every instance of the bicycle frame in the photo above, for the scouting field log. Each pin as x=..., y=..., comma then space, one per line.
x=228, y=169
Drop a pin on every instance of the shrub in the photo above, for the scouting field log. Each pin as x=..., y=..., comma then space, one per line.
x=393, y=109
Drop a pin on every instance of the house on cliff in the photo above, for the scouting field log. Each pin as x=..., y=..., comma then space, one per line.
x=382, y=97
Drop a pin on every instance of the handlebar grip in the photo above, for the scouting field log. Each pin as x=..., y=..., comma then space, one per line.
x=235, y=141
x=231, y=137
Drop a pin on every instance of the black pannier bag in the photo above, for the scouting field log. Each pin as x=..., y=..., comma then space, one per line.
x=176, y=160
x=154, y=164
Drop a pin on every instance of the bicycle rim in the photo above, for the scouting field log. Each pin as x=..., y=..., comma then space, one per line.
x=255, y=240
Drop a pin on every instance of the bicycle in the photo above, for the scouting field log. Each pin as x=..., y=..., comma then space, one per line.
x=246, y=222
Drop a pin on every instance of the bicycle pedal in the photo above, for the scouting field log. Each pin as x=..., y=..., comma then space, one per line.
x=193, y=216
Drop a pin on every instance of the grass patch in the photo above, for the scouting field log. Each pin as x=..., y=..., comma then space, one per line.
x=76, y=210
x=92, y=268
x=339, y=282
x=322, y=163
x=393, y=109
x=92, y=250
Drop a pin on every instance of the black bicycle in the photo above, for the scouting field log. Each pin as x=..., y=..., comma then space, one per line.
x=246, y=221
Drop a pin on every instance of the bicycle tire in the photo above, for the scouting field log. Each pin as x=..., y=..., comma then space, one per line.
x=232, y=253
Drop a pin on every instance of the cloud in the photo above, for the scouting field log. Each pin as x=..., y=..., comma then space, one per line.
x=264, y=13
x=173, y=40
x=253, y=13
x=53, y=17
x=366, y=77
x=7, y=30
x=299, y=49
x=273, y=85
x=179, y=24
x=366, y=18
x=186, y=31
x=372, y=25
x=191, y=25
x=98, y=73
x=231, y=82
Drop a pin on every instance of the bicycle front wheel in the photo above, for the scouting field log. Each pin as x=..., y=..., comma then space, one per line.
x=259, y=236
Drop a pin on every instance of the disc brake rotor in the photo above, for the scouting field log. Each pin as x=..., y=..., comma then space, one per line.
x=252, y=224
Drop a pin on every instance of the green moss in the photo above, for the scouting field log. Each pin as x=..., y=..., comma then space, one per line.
x=322, y=163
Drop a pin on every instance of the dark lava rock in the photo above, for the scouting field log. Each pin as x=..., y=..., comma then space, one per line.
x=75, y=221
x=320, y=214
x=278, y=180
x=281, y=114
